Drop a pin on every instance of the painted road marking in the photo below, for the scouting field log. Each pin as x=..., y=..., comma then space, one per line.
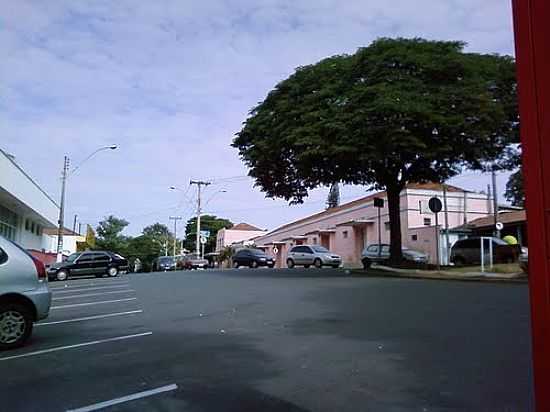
x=69, y=290
x=88, y=295
x=78, y=345
x=108, y=315
x=128, y=398
x=75, y=305
x=79, y=285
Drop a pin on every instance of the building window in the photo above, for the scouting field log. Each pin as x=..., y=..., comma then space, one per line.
x=345, y=234
x=387, y=225
x=8, y=223
x=414, y=238
x=427, y=221
x=27, y=224
x=32, y=227
x=314, y=240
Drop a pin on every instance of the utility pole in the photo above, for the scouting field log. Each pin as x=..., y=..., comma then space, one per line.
x=62, y=210
x=495, y=200
x=79, y=228
x=446, y=217
x=74, y=223
x=199, y=184
x=175, y=219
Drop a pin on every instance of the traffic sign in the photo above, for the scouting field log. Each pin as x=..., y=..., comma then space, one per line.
x=275, y=250
x=378, y=202
x=205, y=233
x=203, y=240
x=435, y=205
x=499, y=226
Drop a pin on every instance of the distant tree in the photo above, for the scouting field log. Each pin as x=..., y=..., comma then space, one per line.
x=89, y=242
x=208, y=222
x=333, y=199
x=109, y=235
x=514, y=189
x=395, y=112
x=144, y=248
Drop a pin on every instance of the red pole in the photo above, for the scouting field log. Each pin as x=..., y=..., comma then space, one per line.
x=532, y=36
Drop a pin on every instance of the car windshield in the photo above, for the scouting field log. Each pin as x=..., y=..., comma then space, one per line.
x=320, y=249
x=165, y=260
x=257, y=252
x=72, y=257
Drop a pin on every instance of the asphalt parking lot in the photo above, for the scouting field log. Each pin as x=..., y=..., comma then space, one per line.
x=274, y=340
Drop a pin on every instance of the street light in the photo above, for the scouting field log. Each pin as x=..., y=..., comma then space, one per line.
x=65, y=174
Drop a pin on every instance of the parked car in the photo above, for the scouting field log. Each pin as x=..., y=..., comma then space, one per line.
x=524, y=260
x=379, y=253
x=192, y=262
x=316, y=255
x=164, y=263
x=24, y=294
x=468, y=251
x=252, y=258
x=96, y=263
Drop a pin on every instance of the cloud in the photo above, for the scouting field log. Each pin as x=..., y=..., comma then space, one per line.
x=172, y=81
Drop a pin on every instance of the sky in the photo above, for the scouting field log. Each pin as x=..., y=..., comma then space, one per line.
x=171, y=81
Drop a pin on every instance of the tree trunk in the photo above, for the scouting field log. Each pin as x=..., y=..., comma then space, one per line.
x=393, y=192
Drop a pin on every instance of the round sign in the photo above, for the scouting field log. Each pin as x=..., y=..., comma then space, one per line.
x=435, y=205
x=203, y=240
x=275, y=250
x=499, y=225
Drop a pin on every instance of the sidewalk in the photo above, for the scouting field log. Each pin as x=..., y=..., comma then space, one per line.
x=386, y=271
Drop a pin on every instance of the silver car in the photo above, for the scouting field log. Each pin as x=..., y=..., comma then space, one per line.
x=380, y=253
x=316, y=255
x=24, y=294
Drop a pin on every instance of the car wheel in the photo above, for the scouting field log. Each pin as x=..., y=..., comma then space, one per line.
x=290, y=263
x=16, y=323
x=459, y=261
x=270, y=266
x=236, y=265
x=62, y=275
x=253, y=264
x=318, y=263
x=112, y=272
x=366, y=263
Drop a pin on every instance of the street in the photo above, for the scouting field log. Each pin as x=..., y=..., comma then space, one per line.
x=274, y=340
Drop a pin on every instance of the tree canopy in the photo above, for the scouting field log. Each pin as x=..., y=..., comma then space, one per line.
x=208, y=222
x=333, y=198
x=109, y=235
x=395, y=112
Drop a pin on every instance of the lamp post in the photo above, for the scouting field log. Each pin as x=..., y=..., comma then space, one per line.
x=64, y=176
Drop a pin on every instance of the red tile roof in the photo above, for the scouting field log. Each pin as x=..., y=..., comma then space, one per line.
x=245, y=226
x=517, y=216
x=53, y=232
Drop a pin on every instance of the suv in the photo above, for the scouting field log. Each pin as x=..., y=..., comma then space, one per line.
x=380, y=253
x=96, y=263
x=252, y=258
x=468, y=251
x=164, y=263
x=316, y=255
x=24, y=294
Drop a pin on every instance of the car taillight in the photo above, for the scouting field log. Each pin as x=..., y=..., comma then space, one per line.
x=40, y=269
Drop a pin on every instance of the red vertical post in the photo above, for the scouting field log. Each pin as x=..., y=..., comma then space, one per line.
x=532, y=36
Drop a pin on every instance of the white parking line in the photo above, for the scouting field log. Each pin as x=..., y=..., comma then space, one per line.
x=78, y=345
x=107, y=315
x=88, y=295
x=81, y=285
x=91, y=303
x=128, y=398
x=69, y=290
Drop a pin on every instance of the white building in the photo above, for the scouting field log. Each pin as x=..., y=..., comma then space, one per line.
x=239, y=233
x=70, y=240
x=25, y=208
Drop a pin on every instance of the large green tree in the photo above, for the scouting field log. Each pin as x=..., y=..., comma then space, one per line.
x=208, y=222
x=109, y=235
x=395, y=112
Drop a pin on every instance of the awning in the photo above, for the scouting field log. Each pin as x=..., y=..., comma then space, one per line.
x=357, y=222
x=294, y=238
x=321, y=232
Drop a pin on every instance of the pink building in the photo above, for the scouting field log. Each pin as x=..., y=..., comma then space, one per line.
x=349, y=228
x=239, y=233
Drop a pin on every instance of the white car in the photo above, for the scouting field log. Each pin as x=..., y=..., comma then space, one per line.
x=316, y=255
x=24, y=294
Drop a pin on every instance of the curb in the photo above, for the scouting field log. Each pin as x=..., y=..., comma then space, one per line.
x=390, y=273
